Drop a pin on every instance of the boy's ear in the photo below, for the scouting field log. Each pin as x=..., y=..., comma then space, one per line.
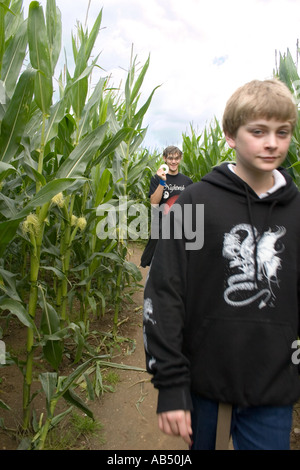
x=230, y=141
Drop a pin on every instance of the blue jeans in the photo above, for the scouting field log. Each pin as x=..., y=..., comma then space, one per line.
x=253, y=428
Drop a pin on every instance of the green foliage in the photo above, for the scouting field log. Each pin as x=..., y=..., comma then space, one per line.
x=72, y=431
x=288, y=73
x=201, y=153
x=59, y=160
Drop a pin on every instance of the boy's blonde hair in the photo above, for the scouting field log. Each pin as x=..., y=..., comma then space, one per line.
x=259, y=99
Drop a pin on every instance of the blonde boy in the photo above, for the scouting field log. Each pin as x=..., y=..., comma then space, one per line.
x=220, y=323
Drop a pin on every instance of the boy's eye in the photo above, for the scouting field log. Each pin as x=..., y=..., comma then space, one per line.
x=280, y=133
x=257, y=131
x=283, y=133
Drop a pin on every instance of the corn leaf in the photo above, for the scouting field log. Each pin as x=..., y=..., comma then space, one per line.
x=288, y=71
x=139, y=81
x=38, y=39
x=13, y=58
x=4, y=7
x=8, y=228
x=116, y=140
x=71, y=397
x=65, y=383
x=17, y=309
x=16, y=116
x=48, y=381
x=2, y=31
x=5, y=170
x=90, y=108
x=79, y=94
x=75, y=165
x=52, y=350
x=54, y=29
x=45, y=194
x=102, y=186
x=138, y=117
x=93, y=36
x=4, y=406
x=56, y=115
x=40, y=56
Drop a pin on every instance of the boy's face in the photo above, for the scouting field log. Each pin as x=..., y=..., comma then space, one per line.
x=261, y=145
x=173, y=160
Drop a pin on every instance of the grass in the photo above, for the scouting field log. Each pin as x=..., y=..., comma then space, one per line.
x=112, y=378
x=74, y=433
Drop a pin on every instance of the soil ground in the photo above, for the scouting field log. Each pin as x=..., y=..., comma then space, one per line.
x=128, y=415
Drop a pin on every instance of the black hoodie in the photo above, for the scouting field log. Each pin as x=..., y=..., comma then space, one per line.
x=221, y=311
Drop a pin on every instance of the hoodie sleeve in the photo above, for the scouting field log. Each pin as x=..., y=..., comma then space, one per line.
x=164, y=317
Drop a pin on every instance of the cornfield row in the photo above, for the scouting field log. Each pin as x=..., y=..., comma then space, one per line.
x=60, y=160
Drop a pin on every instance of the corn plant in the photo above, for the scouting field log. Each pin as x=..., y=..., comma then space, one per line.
x=52, y=154
x=124, y=173
x=204, y=151
x=55, y=388
x=288, y=73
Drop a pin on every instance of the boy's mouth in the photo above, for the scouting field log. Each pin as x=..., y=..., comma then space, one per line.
x=268, y=158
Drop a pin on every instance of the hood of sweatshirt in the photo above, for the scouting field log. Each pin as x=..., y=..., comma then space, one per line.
x=223, y=177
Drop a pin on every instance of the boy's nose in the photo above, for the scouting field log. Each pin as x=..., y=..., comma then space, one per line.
x=271, y=141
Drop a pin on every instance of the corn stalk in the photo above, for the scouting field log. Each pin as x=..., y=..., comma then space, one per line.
x=204, y=151
x=130, y=116
x=41, y=59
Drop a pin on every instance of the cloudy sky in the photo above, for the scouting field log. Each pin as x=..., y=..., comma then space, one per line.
x=200, y=51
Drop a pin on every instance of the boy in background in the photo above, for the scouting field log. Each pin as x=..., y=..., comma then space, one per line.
x=164, y=190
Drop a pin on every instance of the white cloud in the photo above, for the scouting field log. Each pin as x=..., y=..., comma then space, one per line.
x=200, y=51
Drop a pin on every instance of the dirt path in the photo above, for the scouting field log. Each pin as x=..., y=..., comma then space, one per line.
x=129, y=414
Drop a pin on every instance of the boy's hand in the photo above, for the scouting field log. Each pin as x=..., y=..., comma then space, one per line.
x=176, y=423
x=162, y=174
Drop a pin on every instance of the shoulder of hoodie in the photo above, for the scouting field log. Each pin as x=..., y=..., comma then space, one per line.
x=203, y=185
x=195, y=187
x=192, y=190
x=290, y=182
x=287, y=176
